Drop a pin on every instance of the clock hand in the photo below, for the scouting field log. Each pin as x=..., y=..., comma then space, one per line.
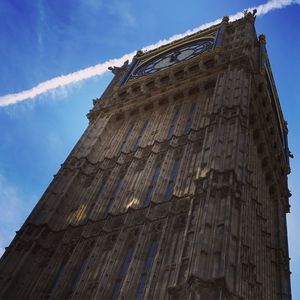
x=173, y=57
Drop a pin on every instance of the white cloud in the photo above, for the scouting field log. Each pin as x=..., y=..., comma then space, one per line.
x=100, y=69
x=63, y=80
x=274, y=4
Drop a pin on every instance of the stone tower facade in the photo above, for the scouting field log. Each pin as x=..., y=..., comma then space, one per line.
x=176, y=190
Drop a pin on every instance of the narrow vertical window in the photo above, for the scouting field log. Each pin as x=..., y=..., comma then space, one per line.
x=137, y=143
x=98, y=198
x=189, y=120
x=172, y=180
x=122, y=274
x=151, y=186
x=125, y=140
x=78, y=275
x=172, y=125
x=56, y=278
x=113, y=196
x=147, y=269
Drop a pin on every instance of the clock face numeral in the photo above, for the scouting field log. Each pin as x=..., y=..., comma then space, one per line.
x=174, y=56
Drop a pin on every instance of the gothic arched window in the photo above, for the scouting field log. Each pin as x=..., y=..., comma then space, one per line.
x=189, y=120
x=113, y=196
x=122, y=273
x=170, y=187
x=137, y=143
x=152, y=185
x=152, y=249
x=96, y=201
x=173, y=123
x=125, y=140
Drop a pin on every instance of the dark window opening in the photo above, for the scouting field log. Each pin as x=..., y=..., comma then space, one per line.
x=113, y=196
x=172, y=125
x=171, y=183
x=137, y=143
x=125, y=140
x=122, y=274
x=189, y=120
x=147, y=269
x=152, y=186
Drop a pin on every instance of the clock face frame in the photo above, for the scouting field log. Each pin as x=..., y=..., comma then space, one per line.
x=173, y=56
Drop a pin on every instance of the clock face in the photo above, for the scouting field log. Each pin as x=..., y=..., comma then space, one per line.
x=172, y=57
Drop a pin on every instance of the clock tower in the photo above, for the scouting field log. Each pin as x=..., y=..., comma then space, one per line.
x=176, y=190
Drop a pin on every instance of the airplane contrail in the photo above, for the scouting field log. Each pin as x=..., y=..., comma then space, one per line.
x=100, y=69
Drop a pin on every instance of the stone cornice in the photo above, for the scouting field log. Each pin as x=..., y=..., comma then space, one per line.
x=224, y=112
x=126, y=98
x=132, y=217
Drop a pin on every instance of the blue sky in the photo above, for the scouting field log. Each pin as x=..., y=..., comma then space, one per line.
x=40, y=40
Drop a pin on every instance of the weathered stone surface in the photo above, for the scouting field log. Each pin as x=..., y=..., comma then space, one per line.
x=107, y=226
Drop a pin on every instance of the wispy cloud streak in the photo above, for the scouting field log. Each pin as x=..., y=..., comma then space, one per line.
x=100, y=69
